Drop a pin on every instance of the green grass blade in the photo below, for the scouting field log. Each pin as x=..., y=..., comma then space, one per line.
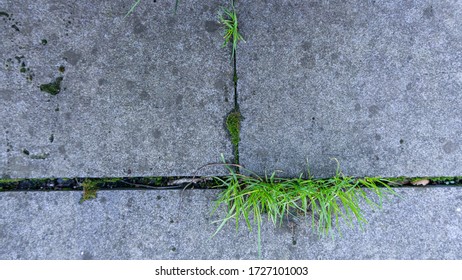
x=132, y=8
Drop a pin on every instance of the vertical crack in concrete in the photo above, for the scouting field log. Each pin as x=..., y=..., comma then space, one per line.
x=236, y=101
x=236, y=109
x=233, y=119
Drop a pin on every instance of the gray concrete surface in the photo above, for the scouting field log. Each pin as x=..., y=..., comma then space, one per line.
x=425, y=223
x=143, y=96
x=375, y=84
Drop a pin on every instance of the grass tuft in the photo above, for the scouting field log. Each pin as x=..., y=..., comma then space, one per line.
x=248, y=198
x=228, y=17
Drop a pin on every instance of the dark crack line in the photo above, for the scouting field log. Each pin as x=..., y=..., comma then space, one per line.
x=236, y=97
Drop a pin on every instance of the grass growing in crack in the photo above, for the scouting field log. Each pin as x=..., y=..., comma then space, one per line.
x=326, y=201
x=228, y=18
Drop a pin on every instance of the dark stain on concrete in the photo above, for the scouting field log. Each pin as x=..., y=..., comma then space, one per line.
x=409, y=86
x=429, y=12
x=6, y=94
x=144, y=95
x=139, y=28
x=450, y=147
x=86, y=256
x=130, y=202
x=157, y=134
x=306, y=46
x=15, y=27
x=130, y=84
x=101, y=82
x=211, y=26
x=373, y=111
x=175, y=71
x=334, y=56
x=308, y=61
x=72, y=57
x=62, y=150
x=179, y=100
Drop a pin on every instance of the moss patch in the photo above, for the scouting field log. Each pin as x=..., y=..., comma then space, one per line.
x=52, y=88
x=40, y=156
x=90, y=189
x=233, y=124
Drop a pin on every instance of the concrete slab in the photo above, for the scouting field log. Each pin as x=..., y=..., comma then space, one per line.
x=426, y=223
x=141, y=96
x=375, y=84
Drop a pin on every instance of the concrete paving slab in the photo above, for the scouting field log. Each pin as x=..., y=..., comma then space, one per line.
x=374, y=84
x=425, y=223
x=141, y=96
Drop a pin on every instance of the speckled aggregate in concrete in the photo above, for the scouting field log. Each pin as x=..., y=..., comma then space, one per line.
x=425, y=223
x=375, y=84
x=141, y=96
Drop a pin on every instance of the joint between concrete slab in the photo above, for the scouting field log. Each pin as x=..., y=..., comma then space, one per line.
x=234, y=117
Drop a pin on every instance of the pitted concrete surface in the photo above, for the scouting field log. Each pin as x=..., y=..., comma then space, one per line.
x=141, y=96
x=425, y=223
x=374, y=84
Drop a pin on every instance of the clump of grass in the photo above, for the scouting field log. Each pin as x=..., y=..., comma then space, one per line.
x=228, y=17
x=326, y=201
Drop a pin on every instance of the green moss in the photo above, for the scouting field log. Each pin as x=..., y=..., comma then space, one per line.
x=40, y=156
x=52, y=88
x=442, y=179
x=3, y=14
x=233, y=124
x=90, y=189
x=23, y=70
x=9, y=181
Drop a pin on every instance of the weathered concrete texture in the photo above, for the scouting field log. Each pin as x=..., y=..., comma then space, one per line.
x=423, y=224
x=145, y=95
x=375, y=84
